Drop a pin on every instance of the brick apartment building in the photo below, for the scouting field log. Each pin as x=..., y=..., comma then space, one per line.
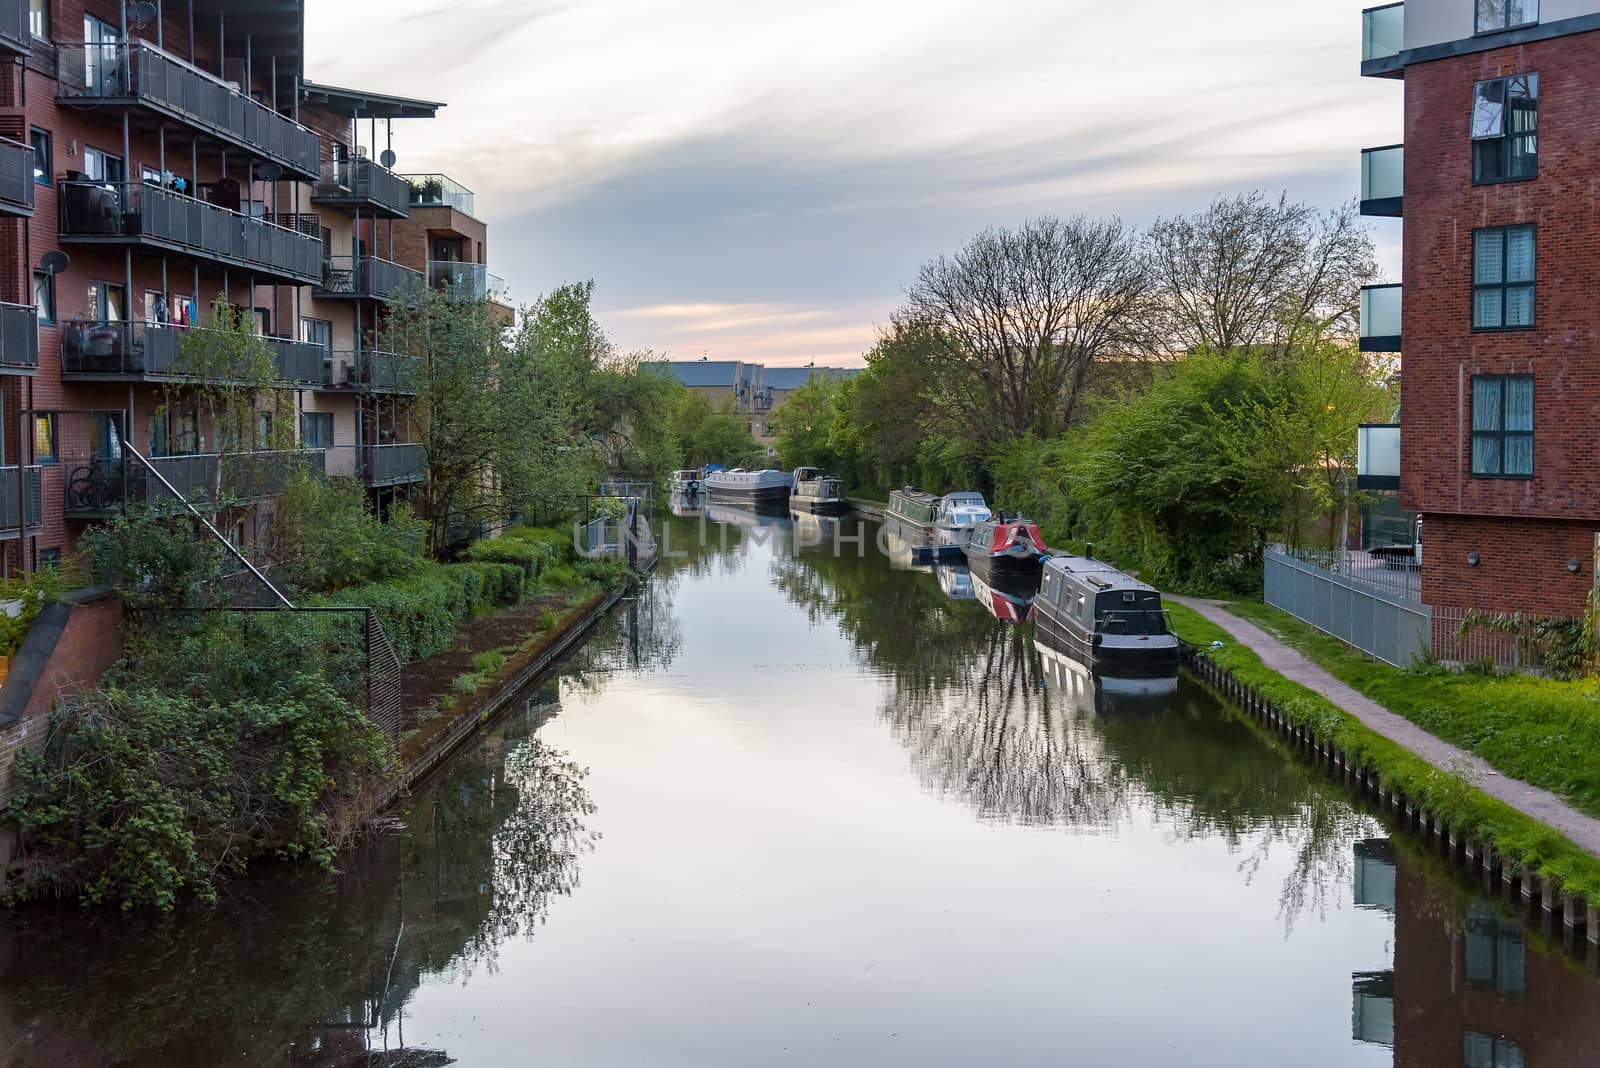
x=1495, y=184
x=156, y=156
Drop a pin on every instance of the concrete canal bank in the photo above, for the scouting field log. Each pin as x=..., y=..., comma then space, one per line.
x=1528, y=845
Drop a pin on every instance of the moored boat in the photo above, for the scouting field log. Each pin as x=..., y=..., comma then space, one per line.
x=755, y=489
x=910, y=507
x=1106, y=617
x=1003, y=547
x=817, y=493
x=688, y=481
x=1006, y=605
x=1116, y=691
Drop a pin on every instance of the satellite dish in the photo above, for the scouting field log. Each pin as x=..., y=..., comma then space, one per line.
x=361, y=150
x=55, y=262
x=269, y=172
x=142, y=14
x=388, y=158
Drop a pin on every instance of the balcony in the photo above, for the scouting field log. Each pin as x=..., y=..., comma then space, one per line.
x=19, y=339
x=137, y=74
x=32, y=502
x=393, y=465
x=1383, y=181
x=373, y=371
x=1378, y=457
x=16, y=177
x=147, y=215
x=438, y=191
x=467, y=281
x=14, y=33
x=96, y=488
x=1380, y=318
x=1383, y=39
x=362, y=184
x=138, y=351
x=365, y=278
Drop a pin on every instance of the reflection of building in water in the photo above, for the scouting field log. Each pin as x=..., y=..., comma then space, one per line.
x=1468, y=988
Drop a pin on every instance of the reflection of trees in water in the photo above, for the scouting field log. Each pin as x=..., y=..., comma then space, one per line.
x=303, y=968
x=964, y=694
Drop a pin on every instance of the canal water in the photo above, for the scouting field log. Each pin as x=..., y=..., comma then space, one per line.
x=800, y=804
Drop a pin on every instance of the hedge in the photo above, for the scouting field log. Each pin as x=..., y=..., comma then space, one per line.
x=533, y=557
x=421, y=612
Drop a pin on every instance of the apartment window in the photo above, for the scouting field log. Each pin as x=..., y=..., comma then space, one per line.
x=39, y=19
x=1487, y=1051
x=1497, y=15
x=44, y=437
x=1502, y=278
x=316, y=430
x=264, y=430
x=101, y=166
x=317, y=332
x=1505, y=129
x=50, y=558
x=41, y=155
x=44, y=296
x=1502, y=426
x=107, y=303
x=100, y=47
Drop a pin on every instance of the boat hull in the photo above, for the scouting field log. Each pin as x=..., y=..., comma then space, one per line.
x=1006, y=570
x=1127, y=655
x=819, y=505
x=757, y=497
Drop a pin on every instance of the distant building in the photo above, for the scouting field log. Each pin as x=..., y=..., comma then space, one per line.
x=753, y=389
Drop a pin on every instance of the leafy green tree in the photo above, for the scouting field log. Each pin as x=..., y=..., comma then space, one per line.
x=724, y=438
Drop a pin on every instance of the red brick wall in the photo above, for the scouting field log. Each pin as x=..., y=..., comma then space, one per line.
x=1442, y=208
x=90, y=644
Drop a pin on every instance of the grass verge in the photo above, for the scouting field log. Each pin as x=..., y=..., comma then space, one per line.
x=1519, y=838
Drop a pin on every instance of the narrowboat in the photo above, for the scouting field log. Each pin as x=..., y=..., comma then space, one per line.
x=1128, y=692
x=912, y=508
x=817, y=493
x=1107, y=618
x=1006, y=605
x=688, y=481
x=752, y=489
x=1003, y=547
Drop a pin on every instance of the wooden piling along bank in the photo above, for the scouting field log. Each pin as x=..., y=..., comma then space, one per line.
x=1538, y=894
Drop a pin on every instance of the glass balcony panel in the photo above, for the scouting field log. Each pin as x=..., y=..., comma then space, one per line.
x=1383, y=32
x=439, y=191
x=1380, y=318
x=15, y=35
x=19, y=338
x=16, y=177
x=1378, y=452
x=1382, y=180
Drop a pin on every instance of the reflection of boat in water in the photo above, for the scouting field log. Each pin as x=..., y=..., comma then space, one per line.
x=907, y=547
x=1107, y=617
x=742, y=517
x=1007, y=602
x=1009, y=547
x=955, y=580
x=684, y=505
x=816, y=492
x=814, y=530
x=688, y=481
x=1069, y=674
x=752, y=489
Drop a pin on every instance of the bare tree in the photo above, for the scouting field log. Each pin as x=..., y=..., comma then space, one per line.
x=1018, y=317
x=1249, y=272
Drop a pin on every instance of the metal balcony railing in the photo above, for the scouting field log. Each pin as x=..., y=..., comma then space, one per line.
x=96, y=487
x=32, y=501
x=1383, y=180
x=361, y=182
x=438, y=191
x=366, y=277
x=145, y=213
x=1380, y=318
x=468, y=281
x=139, y=73
x=14, y=33
x=374, y=370
x=16, y=177
x=1378, y=457
x=152, y=350
x=390, y=465
x=1383, y=32
x=19, y=339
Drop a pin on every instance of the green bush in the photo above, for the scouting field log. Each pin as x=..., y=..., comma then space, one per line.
x=421, y=611
x=533, y=557
x=139, y=796
x=34, y=592
x=325, y=538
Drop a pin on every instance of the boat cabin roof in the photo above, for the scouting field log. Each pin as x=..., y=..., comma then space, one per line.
x=965, y=498
x=912, y=493
x=1095, y=575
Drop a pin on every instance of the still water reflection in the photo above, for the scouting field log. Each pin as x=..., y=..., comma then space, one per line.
x=799, y=808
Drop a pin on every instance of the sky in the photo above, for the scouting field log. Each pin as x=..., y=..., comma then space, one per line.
x=750, y=179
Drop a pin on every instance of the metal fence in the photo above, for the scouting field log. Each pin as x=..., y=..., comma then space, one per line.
x=1392, y=626
x=1394, y=576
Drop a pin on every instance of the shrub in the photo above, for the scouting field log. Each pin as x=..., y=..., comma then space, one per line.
x=421, y=611
x=138, y=796
x=533, y=557
x=325, y=538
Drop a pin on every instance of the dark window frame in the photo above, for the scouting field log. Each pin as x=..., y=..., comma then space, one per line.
x=44, y=21
x=1504, y=143
x=1504, y=286
x=307, y=420
x=48, y=318
x=44, y=170
x=1502, y=434
x=1479, y=30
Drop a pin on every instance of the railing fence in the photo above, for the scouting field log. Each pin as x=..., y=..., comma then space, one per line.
x=1392, y=627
